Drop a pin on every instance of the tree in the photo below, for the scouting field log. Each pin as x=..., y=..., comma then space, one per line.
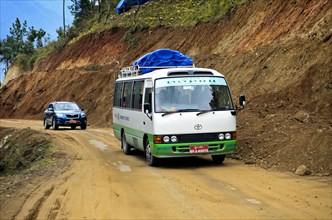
x=20, y=41
x=5, y=55
x=36, y=35
x=99, y=10
x=110, y=4
x=81, y=9
x=64, y=17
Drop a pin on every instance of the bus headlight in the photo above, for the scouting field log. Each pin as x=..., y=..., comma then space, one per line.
x=221, y=136
x=166, y=139
x=228, y=136
x=174, y=139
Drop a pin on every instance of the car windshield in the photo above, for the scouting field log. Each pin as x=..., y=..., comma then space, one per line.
x=183, y=94
x=66, y=106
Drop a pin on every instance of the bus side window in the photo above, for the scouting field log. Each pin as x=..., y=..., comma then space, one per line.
x=127, y=95
x=148, y=96
x=124, y=102
x=117, y=95
x=137, y=95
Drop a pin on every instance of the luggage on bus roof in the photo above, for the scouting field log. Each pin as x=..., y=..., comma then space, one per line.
x=162, y=58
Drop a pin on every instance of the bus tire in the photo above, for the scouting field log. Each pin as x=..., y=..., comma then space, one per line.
x=218, y=159
x=150, y=159
x=124, y=145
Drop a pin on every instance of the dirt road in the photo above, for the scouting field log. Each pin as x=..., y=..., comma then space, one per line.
x=103, y=183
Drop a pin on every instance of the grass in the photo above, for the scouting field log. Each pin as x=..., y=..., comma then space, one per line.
x=22, y=149
x=164, y=13
x=153, y=14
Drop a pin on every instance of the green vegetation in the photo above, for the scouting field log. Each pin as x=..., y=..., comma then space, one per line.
x=131, y=38
x=21, y=149
x=176, y=12
x=91, y=18
x=93, y=68
x=20, y=44
x=162, y=13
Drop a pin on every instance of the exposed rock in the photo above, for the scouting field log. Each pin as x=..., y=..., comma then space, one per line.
x=302, y=170
x=302, y=116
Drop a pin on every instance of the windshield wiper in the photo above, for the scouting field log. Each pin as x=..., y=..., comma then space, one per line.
x=204, y=111
x=167, y=113
x=181, y=110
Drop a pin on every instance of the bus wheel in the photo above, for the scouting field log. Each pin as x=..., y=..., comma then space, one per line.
x=218, y=158
x=150, y=159
x=124, y=145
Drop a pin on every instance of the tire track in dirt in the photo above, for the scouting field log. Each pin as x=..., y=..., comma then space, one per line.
x=33, y=212
x=45, y=199
x=103, y=183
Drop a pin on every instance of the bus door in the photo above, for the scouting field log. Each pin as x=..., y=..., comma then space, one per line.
x=148, y=107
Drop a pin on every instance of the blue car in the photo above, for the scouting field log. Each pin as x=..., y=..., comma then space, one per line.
x=67, y=114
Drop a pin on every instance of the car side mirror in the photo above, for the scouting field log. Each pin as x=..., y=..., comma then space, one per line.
x=147, y=108
x=242, y=100
x=82, y=109
x=50, y=109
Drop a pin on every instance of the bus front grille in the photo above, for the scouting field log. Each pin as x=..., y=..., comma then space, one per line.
x=198, y=137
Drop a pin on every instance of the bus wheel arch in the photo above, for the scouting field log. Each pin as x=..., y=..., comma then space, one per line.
x=145, y=139
x=124, y=144
x=150, y=159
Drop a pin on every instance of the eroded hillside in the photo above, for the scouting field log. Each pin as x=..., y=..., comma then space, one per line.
x=277, y=53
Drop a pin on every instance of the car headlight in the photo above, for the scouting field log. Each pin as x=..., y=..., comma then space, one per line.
x=82, y=114
x=166, y=139
x=228, y=136
x=221, y=136
x=174, y=139
x=60, y=115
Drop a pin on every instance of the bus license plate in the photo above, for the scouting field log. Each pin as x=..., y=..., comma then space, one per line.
x=199, y=149
x=72, y=121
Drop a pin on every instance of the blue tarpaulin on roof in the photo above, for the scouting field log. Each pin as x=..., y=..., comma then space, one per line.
x=124, y=5
x=121, y=5
x=162, y=58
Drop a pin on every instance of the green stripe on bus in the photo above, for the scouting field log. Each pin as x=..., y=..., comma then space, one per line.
x=179, y=149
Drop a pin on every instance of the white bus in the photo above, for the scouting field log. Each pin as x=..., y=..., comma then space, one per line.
x=175, y=112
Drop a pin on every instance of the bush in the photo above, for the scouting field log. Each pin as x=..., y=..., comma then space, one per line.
x=131, y=38
x=93, y=68
x=25, y=62
x=20, y=148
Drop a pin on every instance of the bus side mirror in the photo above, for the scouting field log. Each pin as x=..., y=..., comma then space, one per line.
x=147, y=108
x=242, y=100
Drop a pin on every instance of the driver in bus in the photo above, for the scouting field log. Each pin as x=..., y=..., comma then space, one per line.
x=161, y=100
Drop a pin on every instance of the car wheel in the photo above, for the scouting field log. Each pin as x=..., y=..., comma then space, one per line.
x=219, y=159
x=46, y=126
x=73, y=127
x=150, y=159
x=83, y=126
x=124, y=145
x=54, y=124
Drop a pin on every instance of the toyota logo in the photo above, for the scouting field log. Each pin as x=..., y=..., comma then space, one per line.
x=198, y=126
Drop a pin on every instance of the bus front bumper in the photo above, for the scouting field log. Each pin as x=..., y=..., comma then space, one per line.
x=193, y=149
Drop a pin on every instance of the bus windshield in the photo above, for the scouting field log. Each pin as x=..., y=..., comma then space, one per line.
x=181, y=94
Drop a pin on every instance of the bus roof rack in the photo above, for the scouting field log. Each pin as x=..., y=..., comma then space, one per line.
x=132, y=71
